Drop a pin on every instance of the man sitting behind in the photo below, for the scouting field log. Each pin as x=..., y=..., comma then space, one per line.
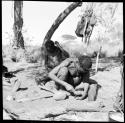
x=55, y=54
x=72, y=75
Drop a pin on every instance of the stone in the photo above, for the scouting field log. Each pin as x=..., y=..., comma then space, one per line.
x=60, y=96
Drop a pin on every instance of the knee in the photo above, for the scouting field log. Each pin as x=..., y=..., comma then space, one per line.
x=92, y=89
x=62, y=72
x=86, y=85
x=93, y=86
x=51, y=85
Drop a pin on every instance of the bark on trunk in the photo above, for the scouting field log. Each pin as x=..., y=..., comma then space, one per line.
x=18, y=49
x=18, y=23
x=56, y=24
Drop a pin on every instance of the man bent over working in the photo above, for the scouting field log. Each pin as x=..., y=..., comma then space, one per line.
x=72, y=75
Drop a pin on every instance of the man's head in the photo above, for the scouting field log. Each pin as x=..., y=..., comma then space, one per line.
x=50, y=46
x=85, y=63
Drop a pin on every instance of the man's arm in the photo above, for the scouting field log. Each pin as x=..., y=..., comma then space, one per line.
x=52, y=74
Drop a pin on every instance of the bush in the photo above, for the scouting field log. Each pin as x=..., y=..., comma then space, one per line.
x=33, y=54
x=17, y=55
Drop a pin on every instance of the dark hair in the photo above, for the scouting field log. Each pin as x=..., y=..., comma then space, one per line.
x=49, y=44
x=85, y=62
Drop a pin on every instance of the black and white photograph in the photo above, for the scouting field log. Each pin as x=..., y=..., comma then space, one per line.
x=62, y=61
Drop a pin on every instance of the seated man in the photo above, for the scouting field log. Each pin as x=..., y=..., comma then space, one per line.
x=72, y=75
x=55, y=55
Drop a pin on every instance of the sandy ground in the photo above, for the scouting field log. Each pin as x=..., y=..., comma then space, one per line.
x=36, y=110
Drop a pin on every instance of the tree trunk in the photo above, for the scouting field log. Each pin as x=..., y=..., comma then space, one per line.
x=18, y=23
x=55, y=25
x=18, y=49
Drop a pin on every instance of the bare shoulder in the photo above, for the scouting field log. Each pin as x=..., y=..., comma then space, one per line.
x=64, y=63
x=72, y=59
x=67, y=61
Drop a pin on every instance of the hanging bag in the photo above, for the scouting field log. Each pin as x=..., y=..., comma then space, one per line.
x=80, y=27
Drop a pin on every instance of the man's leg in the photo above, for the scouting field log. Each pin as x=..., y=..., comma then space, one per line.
x=83, y=87
x=92, y=93
x=62, y=75
x=61, y=94
x=50, y=85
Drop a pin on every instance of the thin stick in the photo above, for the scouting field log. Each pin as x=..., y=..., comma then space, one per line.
x=45, y=88
x=97, y=60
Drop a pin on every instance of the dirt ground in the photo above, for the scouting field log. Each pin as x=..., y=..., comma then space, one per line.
x=43, y=108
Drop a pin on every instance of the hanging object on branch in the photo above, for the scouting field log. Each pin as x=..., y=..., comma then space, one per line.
x=85, y=25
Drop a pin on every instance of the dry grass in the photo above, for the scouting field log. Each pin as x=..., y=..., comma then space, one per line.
x=108, y=49
x=32, y=54
x=112, y=45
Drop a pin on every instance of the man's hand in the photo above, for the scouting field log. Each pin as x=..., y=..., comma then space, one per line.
x=80, y=86
x=70, y=88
